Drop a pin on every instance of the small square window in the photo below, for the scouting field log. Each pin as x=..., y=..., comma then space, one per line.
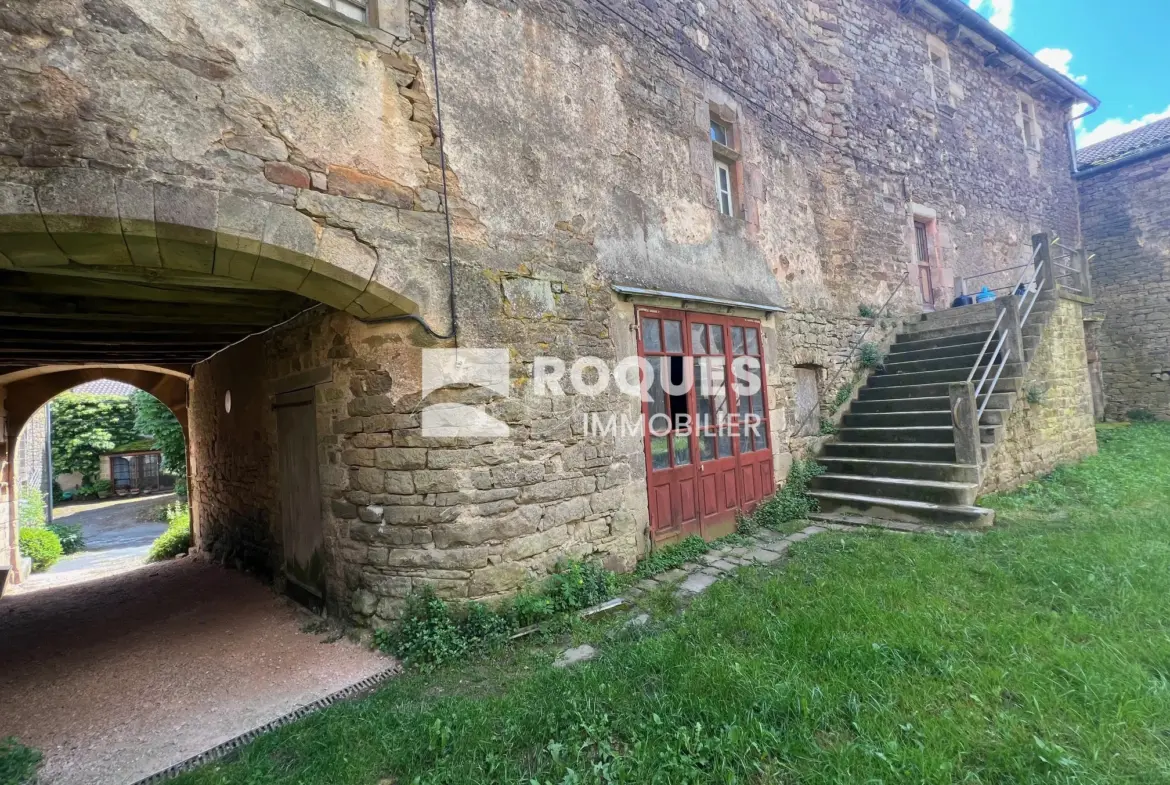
x=720, y=134
x=723, y=187
x=1028, y=117
x=940, y=75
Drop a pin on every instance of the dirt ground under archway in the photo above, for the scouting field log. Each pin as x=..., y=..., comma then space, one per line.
x=117, y=678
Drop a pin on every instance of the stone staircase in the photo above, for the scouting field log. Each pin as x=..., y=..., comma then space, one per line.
x=894, y=455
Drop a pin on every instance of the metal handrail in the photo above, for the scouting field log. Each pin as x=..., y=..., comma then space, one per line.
x=987, y=399
x=987, y=370
x=983, y=350
x=1070, y=268
x=852, y=349
x=1025, y=312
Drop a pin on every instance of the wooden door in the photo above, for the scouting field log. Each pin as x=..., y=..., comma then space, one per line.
x=300, y=497
x=922, y=256
x=669, y=443
x=752, y=442
x=703, y=464
x=719, y=488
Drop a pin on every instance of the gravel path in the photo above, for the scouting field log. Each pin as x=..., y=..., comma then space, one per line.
x=118, y=678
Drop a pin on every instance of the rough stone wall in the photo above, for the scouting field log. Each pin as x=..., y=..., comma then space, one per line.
x=578, y=157
x=471, y=517
x=31, y=462
x=838, y=135
x=270, y=126
x=1060, y=429
x=1126, y=216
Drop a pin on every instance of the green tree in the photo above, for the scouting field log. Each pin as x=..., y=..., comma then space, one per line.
x=87, y=425
x=152, y=418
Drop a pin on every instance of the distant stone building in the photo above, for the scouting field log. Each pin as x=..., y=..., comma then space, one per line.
x=302, y=198
x=1124, y=185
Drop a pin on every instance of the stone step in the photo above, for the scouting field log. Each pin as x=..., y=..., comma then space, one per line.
x=966, y=313
x=932, y=452
x=933, y=403
x=899, y=355
x=895, y=364
x=935, y=491
x=947, y=375
x=1005, y=384
x=910, y=511
x=831, y=519
x=915, y=434
x=910, y=418
x=905, y=342
x=923, y=331
x=916, y=470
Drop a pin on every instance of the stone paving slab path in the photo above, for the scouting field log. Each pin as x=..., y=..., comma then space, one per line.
x=118, y=678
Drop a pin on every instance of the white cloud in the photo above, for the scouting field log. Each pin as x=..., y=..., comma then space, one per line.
x=1058, y=60
x=998, y=12
x=1115, y=125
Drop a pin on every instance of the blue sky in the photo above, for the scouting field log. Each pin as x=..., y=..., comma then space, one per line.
x=1118, y=49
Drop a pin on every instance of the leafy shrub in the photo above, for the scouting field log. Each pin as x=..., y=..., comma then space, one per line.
x=40, y=545
x=528, y=608
x=18, y=763
x=430, y=633
x=153, y=418
x=30, y=506
x=426, y=635
x=177, y=538
x=843, y=396
x=1140, y=415
x=579, y=584
x=871, y=355
x=69, y=535
x=827, y=427
x=792, y=502
x=867, y=311
x=672, y=556
x=102, y=486
x=1034, y=394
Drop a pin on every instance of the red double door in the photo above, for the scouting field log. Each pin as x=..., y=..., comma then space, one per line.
x=708, y=455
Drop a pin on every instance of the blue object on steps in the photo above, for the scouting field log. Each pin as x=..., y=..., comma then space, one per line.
x=985, y=295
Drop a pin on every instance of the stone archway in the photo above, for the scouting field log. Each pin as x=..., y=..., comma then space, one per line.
x=23, y=392
x=85, y=223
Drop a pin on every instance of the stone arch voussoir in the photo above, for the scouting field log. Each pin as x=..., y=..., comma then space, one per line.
x=74, y=216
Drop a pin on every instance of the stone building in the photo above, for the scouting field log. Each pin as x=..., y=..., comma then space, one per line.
x=267, y=211
x=1124, y=185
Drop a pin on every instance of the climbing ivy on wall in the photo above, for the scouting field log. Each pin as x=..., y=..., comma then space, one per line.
x=87, y=425
x=152, y=418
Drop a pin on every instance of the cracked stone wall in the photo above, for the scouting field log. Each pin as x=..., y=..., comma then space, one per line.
x=579, y=157
x=470, y=517
x=558, y=115
x=1126, y=214
x=1060, y=428
x=271, y=142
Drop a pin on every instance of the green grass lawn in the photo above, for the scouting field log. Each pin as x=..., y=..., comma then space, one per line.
x=1038, y=652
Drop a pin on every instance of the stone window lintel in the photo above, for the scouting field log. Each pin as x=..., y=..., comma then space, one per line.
x=725, y=152
x=365, y=31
